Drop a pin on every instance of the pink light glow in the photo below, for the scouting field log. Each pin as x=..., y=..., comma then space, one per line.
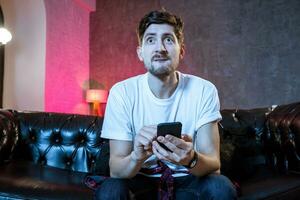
x=67, y=57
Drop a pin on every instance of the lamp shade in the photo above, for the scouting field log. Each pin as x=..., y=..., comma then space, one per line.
x=5, y=36
x=96, y=95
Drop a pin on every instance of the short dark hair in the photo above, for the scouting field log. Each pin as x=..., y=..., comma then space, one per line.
x=161, y=17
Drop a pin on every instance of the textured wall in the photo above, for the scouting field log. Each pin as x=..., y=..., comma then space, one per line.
x=248, y=49
x=67, y=55
x=113, y=41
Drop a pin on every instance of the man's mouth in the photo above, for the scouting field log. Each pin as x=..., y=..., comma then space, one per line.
x=160, y=59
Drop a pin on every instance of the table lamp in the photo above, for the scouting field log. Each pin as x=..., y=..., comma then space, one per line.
x=97, y=97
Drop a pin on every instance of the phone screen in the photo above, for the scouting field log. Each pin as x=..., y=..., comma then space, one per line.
x=170, y=128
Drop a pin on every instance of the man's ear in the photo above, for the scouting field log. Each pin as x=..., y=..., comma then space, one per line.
x=182, y=51
x=139, y=53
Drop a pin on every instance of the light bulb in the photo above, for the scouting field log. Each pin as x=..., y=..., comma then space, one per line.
x=5, y=36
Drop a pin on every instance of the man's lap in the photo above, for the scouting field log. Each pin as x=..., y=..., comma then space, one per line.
x=213, y=186
x=187, y=187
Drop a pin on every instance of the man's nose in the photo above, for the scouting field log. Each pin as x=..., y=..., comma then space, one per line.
x=160, y=46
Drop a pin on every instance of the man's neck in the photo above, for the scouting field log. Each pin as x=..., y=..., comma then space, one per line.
x=164, y=86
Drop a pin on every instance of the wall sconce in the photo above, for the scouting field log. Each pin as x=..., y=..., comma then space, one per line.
x=5, y=36
x=97, y=98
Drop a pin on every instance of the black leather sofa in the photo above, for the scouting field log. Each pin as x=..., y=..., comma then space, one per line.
x=260, y=151
x=48, y=155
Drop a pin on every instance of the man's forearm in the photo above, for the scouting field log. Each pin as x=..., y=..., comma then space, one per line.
x=125, y=167
x=205, y=165
x=207, y=146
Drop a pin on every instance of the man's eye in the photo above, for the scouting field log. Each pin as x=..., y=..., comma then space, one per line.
x=169, y=40
x=150, y=40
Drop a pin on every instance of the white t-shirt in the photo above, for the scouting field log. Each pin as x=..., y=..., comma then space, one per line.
x=132, y=105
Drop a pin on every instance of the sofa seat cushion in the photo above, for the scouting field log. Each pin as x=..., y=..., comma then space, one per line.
x=25, y=180
x=275, y=187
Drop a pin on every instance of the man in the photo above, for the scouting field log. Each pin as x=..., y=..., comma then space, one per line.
x=140, y=167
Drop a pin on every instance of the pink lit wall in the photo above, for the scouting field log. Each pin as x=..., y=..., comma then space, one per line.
x=67, y=55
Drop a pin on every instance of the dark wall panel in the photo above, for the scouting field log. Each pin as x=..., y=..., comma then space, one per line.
x=249, y=49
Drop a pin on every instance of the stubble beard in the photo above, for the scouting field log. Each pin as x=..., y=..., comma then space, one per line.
x=161, y=71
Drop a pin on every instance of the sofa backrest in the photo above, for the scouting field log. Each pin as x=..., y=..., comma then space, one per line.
x=242, y=142
x=249, y=139
x=66, y=141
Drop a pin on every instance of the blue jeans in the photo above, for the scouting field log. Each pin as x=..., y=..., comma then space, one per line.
x=213, y=186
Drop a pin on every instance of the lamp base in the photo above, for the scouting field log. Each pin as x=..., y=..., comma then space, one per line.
x=98, y=109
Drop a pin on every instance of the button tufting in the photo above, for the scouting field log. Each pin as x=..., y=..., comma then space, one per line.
x=42, y=160
x=56, y=138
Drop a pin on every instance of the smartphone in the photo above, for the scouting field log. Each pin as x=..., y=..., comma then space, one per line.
x=169, y=128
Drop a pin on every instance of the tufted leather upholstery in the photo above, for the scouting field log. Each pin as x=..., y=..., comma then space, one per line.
x=65, y=141
x=47, y=155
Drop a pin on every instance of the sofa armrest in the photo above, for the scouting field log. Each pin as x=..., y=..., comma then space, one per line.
x=8, y=134
x=284, y=133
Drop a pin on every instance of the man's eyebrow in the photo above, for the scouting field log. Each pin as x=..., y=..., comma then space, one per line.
x=169, y=34
x=151, y=34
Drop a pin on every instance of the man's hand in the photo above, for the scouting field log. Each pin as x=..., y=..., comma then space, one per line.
x=143, y=143
x=182, y=149
x=207, y=144
x=127, y=158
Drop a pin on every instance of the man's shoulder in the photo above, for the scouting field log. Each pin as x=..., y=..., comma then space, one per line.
x=198, y=82
x=129, y=82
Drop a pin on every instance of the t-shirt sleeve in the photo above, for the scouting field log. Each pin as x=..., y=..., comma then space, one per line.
x=116, y=124
x=208, y=107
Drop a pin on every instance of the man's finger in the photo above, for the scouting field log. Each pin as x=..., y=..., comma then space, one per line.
x=186, y=138
x=143, y=140
x=158, y=154
x=148, y=132
x=160, y=149
x=179, y=143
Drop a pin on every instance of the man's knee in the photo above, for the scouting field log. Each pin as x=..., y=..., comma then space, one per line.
x=112, y=188
x=219, y=184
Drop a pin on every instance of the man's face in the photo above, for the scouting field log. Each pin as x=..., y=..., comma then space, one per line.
x=160, y=50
